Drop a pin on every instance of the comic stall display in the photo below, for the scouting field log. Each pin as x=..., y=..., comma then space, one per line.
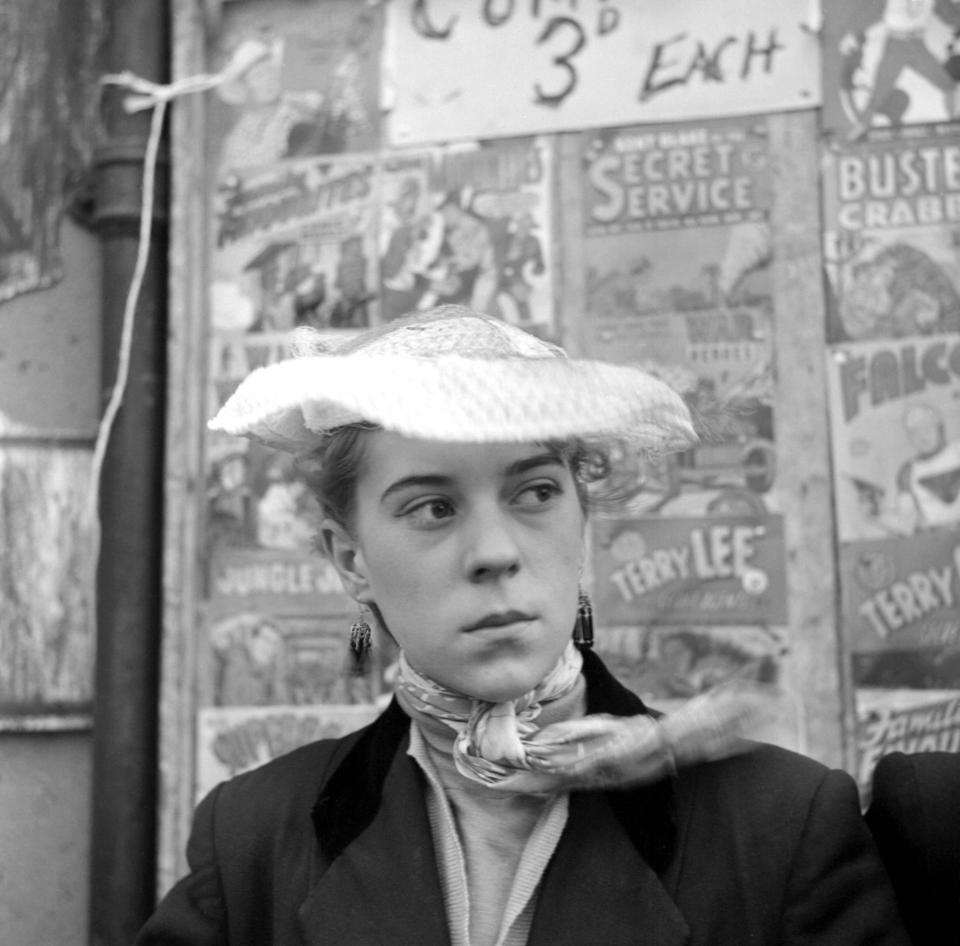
x=677, y=248
x=470, y=224
x=294, y=245
x=892, y=233
x=298, y=84
x=895, y=427
x=891, y=207
x=274, y=668
x=889, y=63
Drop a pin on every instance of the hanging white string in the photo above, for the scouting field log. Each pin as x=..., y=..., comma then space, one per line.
x=136, y=284
x=126, y=337
x=156, y=96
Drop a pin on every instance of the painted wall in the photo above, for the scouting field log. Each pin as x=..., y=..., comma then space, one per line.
x=44, y=838
x=50, y=348
x=49, y=387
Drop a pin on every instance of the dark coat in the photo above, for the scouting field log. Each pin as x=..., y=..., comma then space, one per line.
x=330, y=846
x=915, y=817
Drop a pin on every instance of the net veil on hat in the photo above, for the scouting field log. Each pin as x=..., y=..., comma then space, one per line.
x=453, y=375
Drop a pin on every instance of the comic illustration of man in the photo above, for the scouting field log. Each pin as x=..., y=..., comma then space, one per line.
x=319, y=111
x=309, y=289
x=901, y=27
x=229, y=501
x=928, y=669
x=273, y=265
x=896, y=292
x=928, y=485
x=679, y=663
x=344, y=115
x=351, y=307
x=283, y=512
x=465, y=271
x=228, y=208
x=749, y=249
x=410, y=243
x=523, y=259
x=611, y=294
x=250, y=660
x=869, y=509
x=267, y=113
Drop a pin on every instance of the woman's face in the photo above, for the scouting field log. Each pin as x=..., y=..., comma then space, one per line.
x=471, y=554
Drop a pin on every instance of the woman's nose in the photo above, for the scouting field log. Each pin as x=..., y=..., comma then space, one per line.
x=492, y=550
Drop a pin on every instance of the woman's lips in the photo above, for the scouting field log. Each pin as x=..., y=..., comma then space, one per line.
x=499, y=619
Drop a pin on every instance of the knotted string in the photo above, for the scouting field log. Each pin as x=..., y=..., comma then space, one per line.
x=500, y=744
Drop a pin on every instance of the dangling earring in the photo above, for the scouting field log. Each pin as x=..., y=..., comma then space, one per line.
x=361, y=639
x=583, y=628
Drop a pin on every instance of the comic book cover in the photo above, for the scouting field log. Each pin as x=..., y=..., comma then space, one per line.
x=276, y=617
x=276, y=630
x=255, y=498
x=667, y=665
x=298, y=83
x=895, y=433
x=276, y=625
x=891, y=208
x=231, y=740
x=889, y=63
x=677, y=248
x=903, y=721
x=470, y=223
x=295, y=245
x=716, y=570
x=901, y=595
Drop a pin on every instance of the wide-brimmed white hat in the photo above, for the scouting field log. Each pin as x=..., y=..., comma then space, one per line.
x=454, y=375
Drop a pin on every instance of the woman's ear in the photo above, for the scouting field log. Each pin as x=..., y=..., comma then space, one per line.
x=347, y=558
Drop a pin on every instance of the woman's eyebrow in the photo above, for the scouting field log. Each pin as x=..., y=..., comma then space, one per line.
x=432, y=480
x=441, y=481
x=547, y=458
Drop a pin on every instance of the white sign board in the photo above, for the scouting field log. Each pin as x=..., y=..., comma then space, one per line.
x=489, y=68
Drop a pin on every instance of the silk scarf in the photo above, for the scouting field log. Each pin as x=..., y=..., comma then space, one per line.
x=502, y=746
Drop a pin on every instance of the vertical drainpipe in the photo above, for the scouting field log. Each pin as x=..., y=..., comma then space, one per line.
x=128, y=583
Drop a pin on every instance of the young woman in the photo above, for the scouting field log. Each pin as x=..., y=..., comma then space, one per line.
x=512, y=792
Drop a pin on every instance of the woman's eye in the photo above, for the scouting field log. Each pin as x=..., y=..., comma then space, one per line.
x=433, y=510
x=537, y=494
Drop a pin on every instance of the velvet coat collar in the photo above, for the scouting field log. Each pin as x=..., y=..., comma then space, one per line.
x=377, y=879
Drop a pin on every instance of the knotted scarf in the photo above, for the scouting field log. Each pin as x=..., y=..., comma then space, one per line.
x=501, y=745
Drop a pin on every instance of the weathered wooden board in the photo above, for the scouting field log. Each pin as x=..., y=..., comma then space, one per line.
x=814, y=668
x=46, y=632
x=185, y=407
